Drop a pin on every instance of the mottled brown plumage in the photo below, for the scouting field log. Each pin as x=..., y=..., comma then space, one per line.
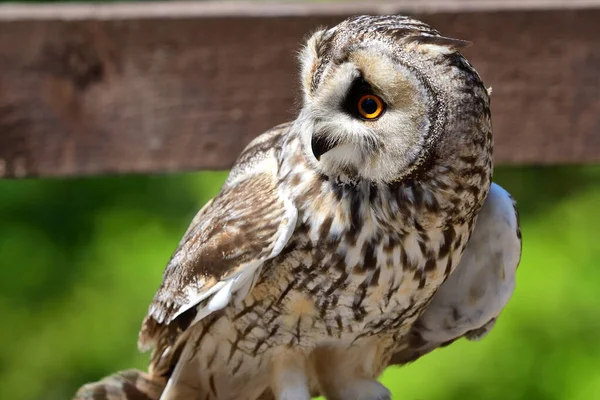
x=322, y=255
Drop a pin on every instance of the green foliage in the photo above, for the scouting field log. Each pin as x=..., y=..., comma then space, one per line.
x=81, y=260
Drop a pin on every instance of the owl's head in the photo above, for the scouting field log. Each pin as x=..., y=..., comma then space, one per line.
x=385, y=96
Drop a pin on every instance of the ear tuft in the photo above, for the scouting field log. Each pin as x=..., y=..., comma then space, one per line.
x=443, y=41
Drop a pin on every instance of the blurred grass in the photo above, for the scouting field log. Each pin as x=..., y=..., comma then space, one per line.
x=82, y=258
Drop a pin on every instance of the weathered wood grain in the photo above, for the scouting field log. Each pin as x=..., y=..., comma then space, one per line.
x=146, y=88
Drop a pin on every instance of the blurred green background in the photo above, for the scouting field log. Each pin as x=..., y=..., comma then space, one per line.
x=82, y=258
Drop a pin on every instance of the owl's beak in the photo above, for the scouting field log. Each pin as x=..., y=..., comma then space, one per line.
x=321, y=145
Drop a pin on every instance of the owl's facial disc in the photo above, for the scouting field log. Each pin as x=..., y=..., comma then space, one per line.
x=368, y=117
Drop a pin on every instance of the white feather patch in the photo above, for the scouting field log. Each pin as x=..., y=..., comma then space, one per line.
x=196, y=297
x=221, y=298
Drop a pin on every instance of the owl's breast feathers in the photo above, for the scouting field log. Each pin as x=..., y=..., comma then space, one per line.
x=370, y=256
x=319, y=260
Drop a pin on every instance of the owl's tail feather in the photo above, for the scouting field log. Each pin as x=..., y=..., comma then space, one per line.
x=125, y=385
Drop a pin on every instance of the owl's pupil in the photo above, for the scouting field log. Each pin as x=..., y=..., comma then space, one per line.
x=369, y=106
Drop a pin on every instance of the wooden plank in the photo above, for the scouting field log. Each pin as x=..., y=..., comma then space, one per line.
x=260, y=8
x=144, y=88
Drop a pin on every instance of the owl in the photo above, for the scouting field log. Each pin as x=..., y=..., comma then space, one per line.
x=366, y=232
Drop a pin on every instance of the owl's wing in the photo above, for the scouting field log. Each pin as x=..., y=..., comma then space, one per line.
x=470, y=301
x=221, y=254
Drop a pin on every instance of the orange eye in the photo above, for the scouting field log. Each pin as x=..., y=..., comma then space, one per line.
x=370, y=106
